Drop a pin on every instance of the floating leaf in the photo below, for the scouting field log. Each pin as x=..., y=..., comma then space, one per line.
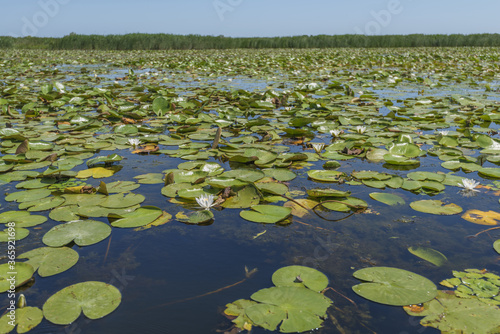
x=197, y=217
x=26, y=319
x=51, y=261
x=325, y=175
x=245, y=198
x=95, y=299
x=435, y=207
x=82, y=232
x=21, y=271
x=496, y=246
x=300, y=276
x=451, y=314
x=482, y=217
x=298, y=308
x=429, y=254
x=394, y=286
x=140, y=217
x=267, y=214
x=104, y=160
x=299, y=210
x=387, y=198
x=17, y=233
x=98, y=172
x=121, y=200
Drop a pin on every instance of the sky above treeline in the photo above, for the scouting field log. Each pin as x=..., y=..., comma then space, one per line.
x=248, y=18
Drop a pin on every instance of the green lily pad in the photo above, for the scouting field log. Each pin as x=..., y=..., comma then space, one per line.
x=23, y=273
x=95, y=299
x=496, y=246
x=121, y=186
x=325, y=175
x=247, y=175
x=51, y=261
x=82, y=232
x=223, y=182
x=404, y=149
x=435, y=207
x=104, y=160
x=297, y=308
x=28, y=195
x=300, y=276
x=451, y=314
x=150, y=178
x=26, y=319
x=341, y=207
x=274, y=188
x=21, y=218
x=18, y=233
x=422, y=176
x=65, y=213
x=429, y=254
x=244, y=198
x=280, y=174
x=394, y=286
x=119, y=201
x=267, y=214
x=196, y=218
x=47, y=203
x=328, y=192
x=490, y=172
x=140, y=217
x=387, y=198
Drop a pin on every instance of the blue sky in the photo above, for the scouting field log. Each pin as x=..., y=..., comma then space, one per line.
x=247, y=18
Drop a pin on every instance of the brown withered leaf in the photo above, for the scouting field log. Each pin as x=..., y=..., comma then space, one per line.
x=126, y=120
x=23, y=147
x=146, y=149
x=355, y=151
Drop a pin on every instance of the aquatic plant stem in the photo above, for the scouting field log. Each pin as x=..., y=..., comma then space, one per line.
x=107, y=250
x=202, y=295
x=487, y=230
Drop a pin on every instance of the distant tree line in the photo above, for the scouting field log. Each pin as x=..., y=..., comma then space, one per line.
x=193, y=42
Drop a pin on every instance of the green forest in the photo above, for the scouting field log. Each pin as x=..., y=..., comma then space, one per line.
x=197, y=42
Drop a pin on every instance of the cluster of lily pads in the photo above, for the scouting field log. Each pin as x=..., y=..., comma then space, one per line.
x=311, y=117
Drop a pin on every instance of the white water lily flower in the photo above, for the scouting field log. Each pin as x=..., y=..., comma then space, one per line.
x=336, y=132
x=469, y=184
x=318, y=147
x=443, y=132
x=134, y=142
x=205, y=201
x=360, y=129
x=494, y=146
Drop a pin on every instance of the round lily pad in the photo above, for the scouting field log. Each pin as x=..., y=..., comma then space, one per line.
x=95, y=299
x=267, y=214
x=325, y=175
x=435, y=207
x=297, y=308
x=51, y=261
x=26, y=319
x=82, y=232
x=496, y=246
x=18, y=233
x=140, y=217
x=280, y=174
x=386, y=198
x=23, y=273
x=394, y=286
x=196, y=218
x=121, y=200
x=300, y=276
x=28, y=195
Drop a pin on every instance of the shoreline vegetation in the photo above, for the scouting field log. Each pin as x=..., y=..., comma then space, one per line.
x=198, y=42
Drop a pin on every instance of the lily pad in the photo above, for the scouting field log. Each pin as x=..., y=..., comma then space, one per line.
x=140, y=217
x=394, y=286
x=23, y=273
x=82, y=232
x=297, y=308
x=387, y=198
x=300, y=276
x=196, y=218
x=51, y=261
x=325, y=175
x=267, y=214
x=496, y=246
x=482, y=217
x=429, y=254
x=26, y=319
x=17, y=233
x=451, y=314
x=95, y=299
x=121, y=200
x=435, y=207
